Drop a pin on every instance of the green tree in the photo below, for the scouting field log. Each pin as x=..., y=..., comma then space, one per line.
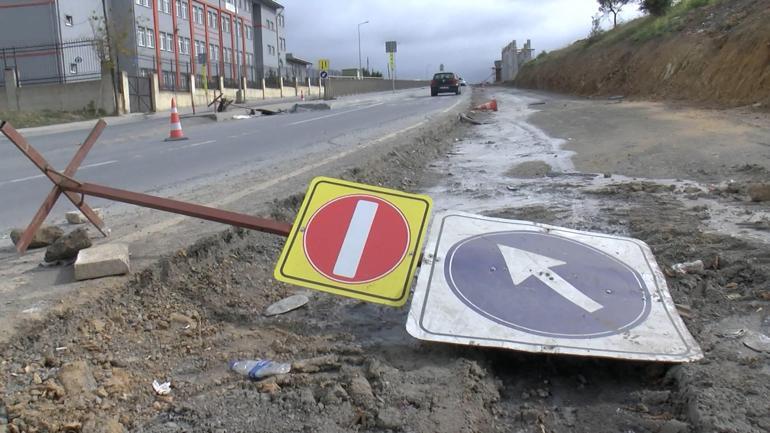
x=612, y=7
x=655, y=7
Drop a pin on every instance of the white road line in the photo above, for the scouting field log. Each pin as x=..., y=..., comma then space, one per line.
x=85, y=167
x=99, y=164
x=335, y=114
x=355, y=239
x=188, y=146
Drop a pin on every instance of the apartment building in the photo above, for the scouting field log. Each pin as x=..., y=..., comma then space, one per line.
x=175, y=38
x=51, y=41
x=179, y=38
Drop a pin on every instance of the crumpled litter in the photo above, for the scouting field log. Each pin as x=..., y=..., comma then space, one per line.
x=161, y=388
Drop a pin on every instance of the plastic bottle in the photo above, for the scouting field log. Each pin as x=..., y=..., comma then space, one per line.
x=259, y=368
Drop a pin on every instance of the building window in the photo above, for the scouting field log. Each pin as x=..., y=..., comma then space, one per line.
x=249, y=59
x=282, y=47
x=212, y=19
x=181, y=9
x=150, y=38
x=141, y=38
x=145, y=3
x=226, y=24
x=249, y=33
x=198, y=14
x=184, y=45
x=214, y=52
x=68, y=20
x=73, y=68
x=164, y=6
x=166, y=42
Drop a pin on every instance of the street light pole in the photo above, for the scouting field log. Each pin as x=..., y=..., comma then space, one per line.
x=359, y=47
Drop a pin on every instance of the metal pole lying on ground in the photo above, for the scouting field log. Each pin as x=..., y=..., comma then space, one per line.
x=76, y=191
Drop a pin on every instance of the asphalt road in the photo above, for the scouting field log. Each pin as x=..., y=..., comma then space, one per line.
x=135, y=156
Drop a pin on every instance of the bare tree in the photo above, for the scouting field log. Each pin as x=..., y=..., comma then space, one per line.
x=612, y=7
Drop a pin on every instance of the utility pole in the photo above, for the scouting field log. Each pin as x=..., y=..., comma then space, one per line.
x=359, y=46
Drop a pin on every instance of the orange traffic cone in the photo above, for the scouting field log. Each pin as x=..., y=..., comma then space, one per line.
x=176, y=124
x=490, y=105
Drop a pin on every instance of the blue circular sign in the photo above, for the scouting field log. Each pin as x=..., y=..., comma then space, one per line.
x=545, y=284
x=324, y=74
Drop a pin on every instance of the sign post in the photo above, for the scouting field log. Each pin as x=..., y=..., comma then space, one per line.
x=390, y=48
x=323, y=75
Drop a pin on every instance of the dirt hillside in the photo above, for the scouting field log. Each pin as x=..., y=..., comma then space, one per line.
x=715, y=52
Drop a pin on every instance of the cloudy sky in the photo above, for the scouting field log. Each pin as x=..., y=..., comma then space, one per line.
x=466, y=36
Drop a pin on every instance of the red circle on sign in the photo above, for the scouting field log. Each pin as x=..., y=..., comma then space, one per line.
x=356, y=239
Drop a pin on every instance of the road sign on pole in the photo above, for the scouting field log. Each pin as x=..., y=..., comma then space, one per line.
x=323, y=64
x=390, y=46
x=538, y=288
x=356, y=240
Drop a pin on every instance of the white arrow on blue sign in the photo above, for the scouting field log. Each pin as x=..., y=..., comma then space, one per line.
x=532, y=287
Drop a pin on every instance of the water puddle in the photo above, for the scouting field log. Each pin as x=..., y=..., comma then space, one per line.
x=511, y=164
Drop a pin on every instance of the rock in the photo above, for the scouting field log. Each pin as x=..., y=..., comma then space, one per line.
x=389, y=418
x=268, y=387
x=674, y=426
x=76, y=217
x=102, y=261
x=77, y=378
x=759, y=192
x=334, y=395
x=67, y=246
x=361, y=391
x=44, y=236
x=109, y=425
x=285, y=305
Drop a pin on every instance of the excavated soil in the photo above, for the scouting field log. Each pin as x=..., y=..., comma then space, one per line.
x=90, y=368
x=717, y=55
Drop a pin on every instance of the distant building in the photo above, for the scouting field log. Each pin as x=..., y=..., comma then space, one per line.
x=59, y=41
x=498, y=71
x=513, y=58
x=298, y=69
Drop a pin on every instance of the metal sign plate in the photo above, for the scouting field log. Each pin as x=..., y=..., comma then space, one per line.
x=538, y=288
x=390, y=46
x=356, y=240
x=324, y=74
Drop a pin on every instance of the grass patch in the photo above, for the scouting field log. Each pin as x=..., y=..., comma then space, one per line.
x=28, y=119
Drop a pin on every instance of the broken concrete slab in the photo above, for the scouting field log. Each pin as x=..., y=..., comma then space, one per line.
x=44, y=236
x=299, y=108
x=76, y=217
x=285, y=305
x=67, y=246
x=102, y=261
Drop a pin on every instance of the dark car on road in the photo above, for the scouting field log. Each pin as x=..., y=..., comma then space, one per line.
x=445, y=82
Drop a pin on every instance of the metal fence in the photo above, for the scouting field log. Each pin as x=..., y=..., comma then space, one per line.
x=55, y=63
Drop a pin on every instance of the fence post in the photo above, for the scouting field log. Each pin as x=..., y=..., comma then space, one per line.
x=192, y=92
x=154, y=92
x=11, y=88
x=221, y=84
x=263, y=88
x=125, y=100
x=280, y=83
x=296, y=86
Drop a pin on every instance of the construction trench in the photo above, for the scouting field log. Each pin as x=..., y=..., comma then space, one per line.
x=90, y=367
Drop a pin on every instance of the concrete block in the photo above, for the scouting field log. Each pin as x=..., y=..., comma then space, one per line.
x=102, y=261
x=75, y=217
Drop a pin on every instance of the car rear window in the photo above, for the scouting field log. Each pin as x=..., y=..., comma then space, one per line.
x=444, y=76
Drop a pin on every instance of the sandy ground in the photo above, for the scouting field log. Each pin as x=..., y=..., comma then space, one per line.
x=90, y=367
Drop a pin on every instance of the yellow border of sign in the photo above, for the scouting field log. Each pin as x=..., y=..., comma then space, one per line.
x=391, y=289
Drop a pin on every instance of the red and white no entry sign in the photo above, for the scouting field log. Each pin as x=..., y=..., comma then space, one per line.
x=356, y=239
